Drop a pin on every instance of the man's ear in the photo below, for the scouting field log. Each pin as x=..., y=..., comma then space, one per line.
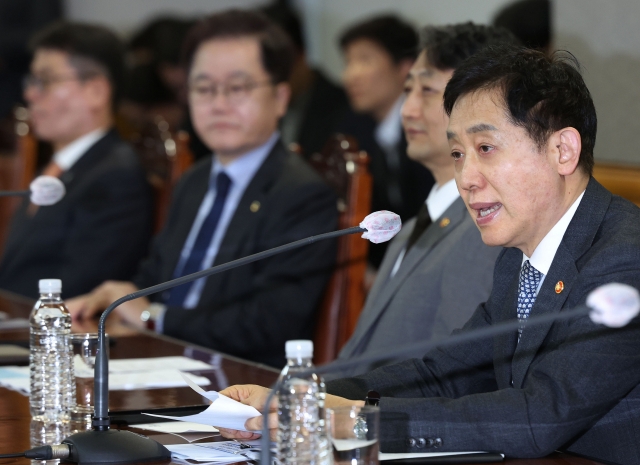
x=283, y=94
x=566, y=145
x=98, y=92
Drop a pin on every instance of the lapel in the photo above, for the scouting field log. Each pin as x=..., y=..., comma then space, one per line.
x=89, y=160
x=576, y=241
x=244, y=220
x=418, y=253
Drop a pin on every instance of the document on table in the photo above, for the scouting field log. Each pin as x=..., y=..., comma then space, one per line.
x=223, y=411
x=186, y=430
x=124, y=374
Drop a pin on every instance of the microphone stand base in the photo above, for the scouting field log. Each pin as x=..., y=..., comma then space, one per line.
x=114, y=447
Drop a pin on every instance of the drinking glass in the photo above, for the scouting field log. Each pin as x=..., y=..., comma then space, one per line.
x=353, y=432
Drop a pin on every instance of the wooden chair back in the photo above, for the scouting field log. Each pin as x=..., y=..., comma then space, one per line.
x=165, y=154
x=620, y=179
x=345, y=168
x=18, y=161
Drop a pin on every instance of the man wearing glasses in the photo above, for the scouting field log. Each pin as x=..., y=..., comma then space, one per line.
x=251, y=196
x=101, y=228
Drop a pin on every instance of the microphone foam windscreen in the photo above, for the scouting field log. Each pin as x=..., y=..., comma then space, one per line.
x=381, y=226
x=46, y=190
x=614, y=304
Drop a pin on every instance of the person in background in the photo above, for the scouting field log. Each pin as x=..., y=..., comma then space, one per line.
x=317, y=105
x=417, y=294
x=529, y=21
x=101, y=228
x=378, y=54
x=252, y=195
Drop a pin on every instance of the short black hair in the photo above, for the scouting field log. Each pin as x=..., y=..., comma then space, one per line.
x=448, y=46
x=284, y=16
x=96, y=44
x=276, y=48
x=529, y=20
x=397, y=37
x=541, y=94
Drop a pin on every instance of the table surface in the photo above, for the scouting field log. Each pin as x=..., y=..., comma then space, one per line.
x=131, y=343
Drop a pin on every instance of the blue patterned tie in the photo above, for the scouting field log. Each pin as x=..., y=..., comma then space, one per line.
x=527, y=289
x=201, y=245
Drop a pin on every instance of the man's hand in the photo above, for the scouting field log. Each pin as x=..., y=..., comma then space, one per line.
x=256, y=396
x=89, y=305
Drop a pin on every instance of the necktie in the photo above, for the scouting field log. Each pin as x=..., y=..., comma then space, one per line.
x=423, y=220
x=527, y=289
x=203, y=240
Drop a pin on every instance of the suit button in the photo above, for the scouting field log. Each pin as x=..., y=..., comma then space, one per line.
x=437, y=442
x=411, y=442
x=422, y=442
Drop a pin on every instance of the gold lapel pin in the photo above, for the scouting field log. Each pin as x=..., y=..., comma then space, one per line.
x=444, y=222
x=255, y=206
x=559, y=287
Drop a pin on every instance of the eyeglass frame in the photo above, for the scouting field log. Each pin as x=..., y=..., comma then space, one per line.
x=215, y=89
x=42, y=85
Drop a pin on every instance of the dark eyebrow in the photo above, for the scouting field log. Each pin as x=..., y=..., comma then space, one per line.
x=451, y=135
x=482, y=127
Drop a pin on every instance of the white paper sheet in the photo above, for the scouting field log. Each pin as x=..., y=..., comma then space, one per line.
x=17, y=378
x=202, y=454
x=223, y=411
x=183, y=429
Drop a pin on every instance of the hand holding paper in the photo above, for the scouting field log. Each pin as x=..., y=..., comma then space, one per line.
x=223, y=411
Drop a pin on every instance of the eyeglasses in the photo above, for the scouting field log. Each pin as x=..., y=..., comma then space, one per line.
x=235, y=92
x=44, y=83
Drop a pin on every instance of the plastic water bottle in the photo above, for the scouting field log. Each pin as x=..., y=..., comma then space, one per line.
x=302, y=437
x=52, y=394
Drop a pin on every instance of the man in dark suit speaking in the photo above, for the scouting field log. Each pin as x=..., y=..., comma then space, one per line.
x=522, y=130
x=251, y=196
x=101, y=228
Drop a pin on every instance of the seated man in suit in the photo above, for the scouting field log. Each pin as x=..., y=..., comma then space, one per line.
x=250, y=196
x=522, y=130
x=101, y=228
x=417, y=293
x=378, y=54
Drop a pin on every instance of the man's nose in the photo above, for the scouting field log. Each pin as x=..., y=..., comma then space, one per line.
x=469, y=173
x=412, y=106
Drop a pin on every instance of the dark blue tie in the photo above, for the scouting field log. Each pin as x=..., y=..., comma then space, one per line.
x=527, y=291
x=203, y=241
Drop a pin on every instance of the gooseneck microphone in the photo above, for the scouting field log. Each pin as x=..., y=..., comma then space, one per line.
x=613, y=305
x=102, y=445
x=43, y=190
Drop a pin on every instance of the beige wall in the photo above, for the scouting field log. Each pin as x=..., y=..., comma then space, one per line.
x=605, y=37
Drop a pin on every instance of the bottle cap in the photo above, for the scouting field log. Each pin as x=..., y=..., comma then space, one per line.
x=299, y=349
x=50, y=286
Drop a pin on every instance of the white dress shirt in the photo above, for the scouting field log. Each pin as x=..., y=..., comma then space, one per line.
x=69, y=155
x=545, y=252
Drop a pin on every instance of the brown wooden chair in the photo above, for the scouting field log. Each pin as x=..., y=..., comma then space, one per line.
x=165, y=155
x=345, y=168
x=18, y=160
x=621, y=179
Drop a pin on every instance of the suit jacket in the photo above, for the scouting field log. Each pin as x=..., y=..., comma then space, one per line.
x=570, y=385
x=251, y=311
x=441, y=280
x=412, y=180
x=98, y=231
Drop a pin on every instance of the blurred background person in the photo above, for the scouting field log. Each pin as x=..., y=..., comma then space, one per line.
x=100, y=229
x=378, y=54
x=529, y=21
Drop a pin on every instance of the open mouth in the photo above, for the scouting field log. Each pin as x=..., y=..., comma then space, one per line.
x=486, y=211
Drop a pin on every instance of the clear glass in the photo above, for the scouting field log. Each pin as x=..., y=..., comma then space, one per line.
x=353, y=432
x=52, y=381
x=302, y=438
x=85, y=349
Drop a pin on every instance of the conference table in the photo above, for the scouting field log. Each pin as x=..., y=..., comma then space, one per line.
x=126, y=406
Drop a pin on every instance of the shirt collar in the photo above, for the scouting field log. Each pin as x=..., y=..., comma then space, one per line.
x=69, y=155
x=546, y=251
x=242, y=169
x=389, y=131
x=441, y=197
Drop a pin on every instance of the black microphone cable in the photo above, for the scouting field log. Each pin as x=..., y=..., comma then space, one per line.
x=57, y=451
